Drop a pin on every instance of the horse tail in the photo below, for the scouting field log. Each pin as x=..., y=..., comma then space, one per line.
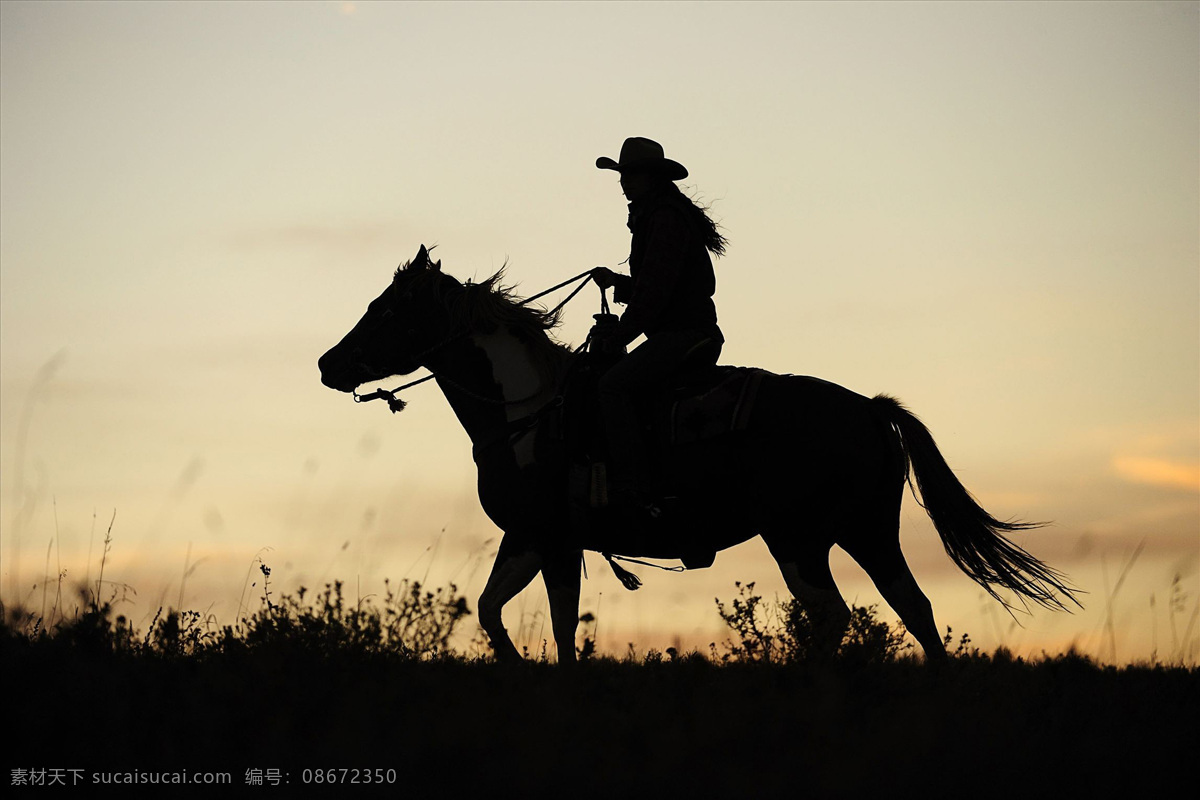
x=973, y=538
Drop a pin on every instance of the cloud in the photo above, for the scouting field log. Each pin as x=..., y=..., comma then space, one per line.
x=1163, y=472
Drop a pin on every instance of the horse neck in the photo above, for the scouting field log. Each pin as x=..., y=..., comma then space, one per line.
x=491, y=379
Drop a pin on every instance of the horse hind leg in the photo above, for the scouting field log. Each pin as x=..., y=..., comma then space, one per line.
x=892, y=576
x=810, y=581
x=907, y=600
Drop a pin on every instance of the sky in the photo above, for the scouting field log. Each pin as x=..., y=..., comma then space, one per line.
x=988, y=210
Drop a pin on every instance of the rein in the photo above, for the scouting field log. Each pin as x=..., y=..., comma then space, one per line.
x=396, y=404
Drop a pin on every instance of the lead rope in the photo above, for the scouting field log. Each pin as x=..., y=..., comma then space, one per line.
x=396, y=404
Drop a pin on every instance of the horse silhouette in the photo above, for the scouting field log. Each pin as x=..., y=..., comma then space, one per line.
x=817, y=465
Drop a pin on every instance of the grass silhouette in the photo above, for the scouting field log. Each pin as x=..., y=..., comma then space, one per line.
x=312, y=681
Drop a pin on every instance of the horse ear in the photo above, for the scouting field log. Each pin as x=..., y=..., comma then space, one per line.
x=436, y=266
x=422, y=259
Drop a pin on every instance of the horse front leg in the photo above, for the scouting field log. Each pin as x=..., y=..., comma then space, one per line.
x=511, y=573
x=560, y=571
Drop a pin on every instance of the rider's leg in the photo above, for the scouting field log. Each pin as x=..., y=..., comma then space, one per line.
x=648, y=369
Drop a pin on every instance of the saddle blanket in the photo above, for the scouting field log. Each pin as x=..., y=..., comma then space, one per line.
x=722, y=408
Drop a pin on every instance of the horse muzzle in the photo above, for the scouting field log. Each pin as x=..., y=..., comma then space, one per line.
x=341, y=373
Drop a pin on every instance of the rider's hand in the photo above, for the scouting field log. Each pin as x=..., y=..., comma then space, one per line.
x=604, y=277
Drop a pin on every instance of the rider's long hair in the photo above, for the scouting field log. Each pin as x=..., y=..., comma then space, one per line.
x=714, y=241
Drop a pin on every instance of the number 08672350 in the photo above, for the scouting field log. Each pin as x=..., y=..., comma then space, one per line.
x=346, y=775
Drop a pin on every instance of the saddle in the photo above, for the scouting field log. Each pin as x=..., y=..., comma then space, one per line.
x=707, y=405
x=716, y=403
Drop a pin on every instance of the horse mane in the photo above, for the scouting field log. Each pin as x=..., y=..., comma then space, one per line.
x=490, y=302
x=489, y=305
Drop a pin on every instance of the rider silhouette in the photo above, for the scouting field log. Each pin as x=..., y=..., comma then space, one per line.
x=668, y=297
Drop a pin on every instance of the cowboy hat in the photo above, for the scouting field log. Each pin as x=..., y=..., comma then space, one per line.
x=644, y=155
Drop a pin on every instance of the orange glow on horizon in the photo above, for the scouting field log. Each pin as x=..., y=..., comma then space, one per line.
x=1159, y=472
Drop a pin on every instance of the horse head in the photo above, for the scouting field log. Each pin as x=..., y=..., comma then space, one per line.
x=405, y=323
